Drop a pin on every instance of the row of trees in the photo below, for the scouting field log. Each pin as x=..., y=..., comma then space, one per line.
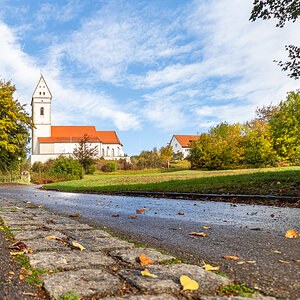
x=272, y=137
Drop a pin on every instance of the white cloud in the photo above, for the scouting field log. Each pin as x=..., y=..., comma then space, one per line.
x=69, y=103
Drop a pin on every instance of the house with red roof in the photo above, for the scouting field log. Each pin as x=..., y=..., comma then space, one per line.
x=51, y=141
x=182, y=143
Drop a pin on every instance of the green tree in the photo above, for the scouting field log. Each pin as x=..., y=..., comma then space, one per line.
x=166, y=154
x=283, y=11
x=86, y=154
x=15, y=125
x=285, y=128
x=259, y=151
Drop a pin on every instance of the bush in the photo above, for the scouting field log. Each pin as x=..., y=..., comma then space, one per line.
x=91, y=170
x=113, y=166
x=37, y=167
x=106, y=168
x=66, y=167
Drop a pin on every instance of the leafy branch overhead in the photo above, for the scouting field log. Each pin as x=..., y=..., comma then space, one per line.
x=284, y=11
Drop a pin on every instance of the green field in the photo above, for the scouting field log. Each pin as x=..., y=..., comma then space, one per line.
x=275, y=181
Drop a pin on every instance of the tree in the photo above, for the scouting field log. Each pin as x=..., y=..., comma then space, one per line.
x=285, y=128
x=86, y=154
x=283, y=10
x=15, y=125
x=166, y=154
x=266, y=112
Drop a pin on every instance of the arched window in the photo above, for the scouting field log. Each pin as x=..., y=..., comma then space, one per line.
x=112, y=152
x=42, y=111
x=107, y=151
x=103, y=154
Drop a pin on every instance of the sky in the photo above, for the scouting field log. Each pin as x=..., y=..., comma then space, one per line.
x=146, y=69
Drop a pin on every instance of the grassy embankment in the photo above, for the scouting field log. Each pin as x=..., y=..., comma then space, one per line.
x=275, y=181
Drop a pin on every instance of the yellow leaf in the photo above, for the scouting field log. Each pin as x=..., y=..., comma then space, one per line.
x=209, y=267
x=198, y=233
x=100, y=203
x=206, y=227
x=147, y=273
x=231, y=257
x=17, y=252
x=104, y=227
x=40, y=206
x=188, y=283
x=28, y=202
x=283, y=261
x=291, y=234
x=21, y=277
x=50, y=237
x=246, y=262
x=75, y=244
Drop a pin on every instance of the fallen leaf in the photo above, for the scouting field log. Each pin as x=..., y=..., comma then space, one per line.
x=276, y=251
x=257, y=229
x=118, y=215
x=192, y=237
x=100, y=203
x=75, y=215
x=30, y=294
x=144, y=260
x=104, y=227
x=208, y=267
x=206, y=227
x=188, y=283
x=75, y=244
x=21, y=277
x=246, y=262
x=11, y=272
x=28, y=202
x=147, y=273
x=180, y=213
x=50, y=237
x=40, y=206
x=283, y=261
x=18, y=252
x=139, y=211
x=132, y=217
x=272, y=215
x=291, y=234
x=296, y=260
x=198, y=233
x=179, y=228
x=18, y=245
x=231, y=257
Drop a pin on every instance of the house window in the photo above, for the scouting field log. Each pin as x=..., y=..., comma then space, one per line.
x=40, y=93
x=42, y=111
x=112, y=152
x=118, y=151
x=103, y=154
x=107, y=151
x=176, y=145
x=43, y=93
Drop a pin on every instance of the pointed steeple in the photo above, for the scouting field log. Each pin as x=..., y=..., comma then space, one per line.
x=42, y=91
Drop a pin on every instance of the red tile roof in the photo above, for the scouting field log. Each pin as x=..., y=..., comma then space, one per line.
x=185, y=140
x=69, y=134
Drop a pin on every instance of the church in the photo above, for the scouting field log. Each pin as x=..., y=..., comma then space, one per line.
x=52, y=141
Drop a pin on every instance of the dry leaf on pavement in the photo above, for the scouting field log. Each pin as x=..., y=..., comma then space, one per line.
x=118, y=215
x=77, y=245
x=144, y=260
x=246, y=262
x=75, y=215
x=206, y=227
x=139, y=211
x=132, y=217
x=232, y=257
x=180, y=213
x=208, y=267
x=291, y=234
x=198, y=233
x=283, y=261
x=188, y=283
x=147, y=273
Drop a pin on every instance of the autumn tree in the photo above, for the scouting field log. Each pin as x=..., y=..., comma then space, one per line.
x=15, y=125
x=166, y=154
x=285, y=128
x=86, y=154
x=283, y=11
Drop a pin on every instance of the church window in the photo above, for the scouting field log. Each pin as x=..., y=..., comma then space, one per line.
x=43, y=93
x=112, y=152
x=103, y=154
x=42, y=111
x=40, y=93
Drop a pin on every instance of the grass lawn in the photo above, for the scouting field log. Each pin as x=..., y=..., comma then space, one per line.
x=275, y=181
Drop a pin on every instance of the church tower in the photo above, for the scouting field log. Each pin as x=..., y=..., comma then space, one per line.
x=41, y=113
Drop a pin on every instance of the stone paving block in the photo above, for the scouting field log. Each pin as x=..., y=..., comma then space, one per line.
x=255, y=297
x=131, y=256
x=45, y=245
x=68, y=260
x=55, y=227
x=86, y=234
x=22, y=221
x=87, y=283
x=37, y=234
x=144, y=297
x=168, y=278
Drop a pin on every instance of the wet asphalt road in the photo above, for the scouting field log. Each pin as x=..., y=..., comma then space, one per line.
x=250, y=232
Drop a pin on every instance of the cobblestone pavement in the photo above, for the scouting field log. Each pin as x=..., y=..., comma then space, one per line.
x=108, y=268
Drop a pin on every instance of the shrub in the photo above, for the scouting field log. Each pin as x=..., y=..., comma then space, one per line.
x=37, y=167
x=66, y=167
x=106, y=168
x=91, y=169
x=113, y=166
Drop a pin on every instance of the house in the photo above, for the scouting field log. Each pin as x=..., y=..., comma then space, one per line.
x=182, y=143
x=51, y=141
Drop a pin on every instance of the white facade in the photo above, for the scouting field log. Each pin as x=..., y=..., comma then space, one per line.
x=176, y=146
x=53, y=146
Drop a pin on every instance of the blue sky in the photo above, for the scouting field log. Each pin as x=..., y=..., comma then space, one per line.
x=147, y=69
